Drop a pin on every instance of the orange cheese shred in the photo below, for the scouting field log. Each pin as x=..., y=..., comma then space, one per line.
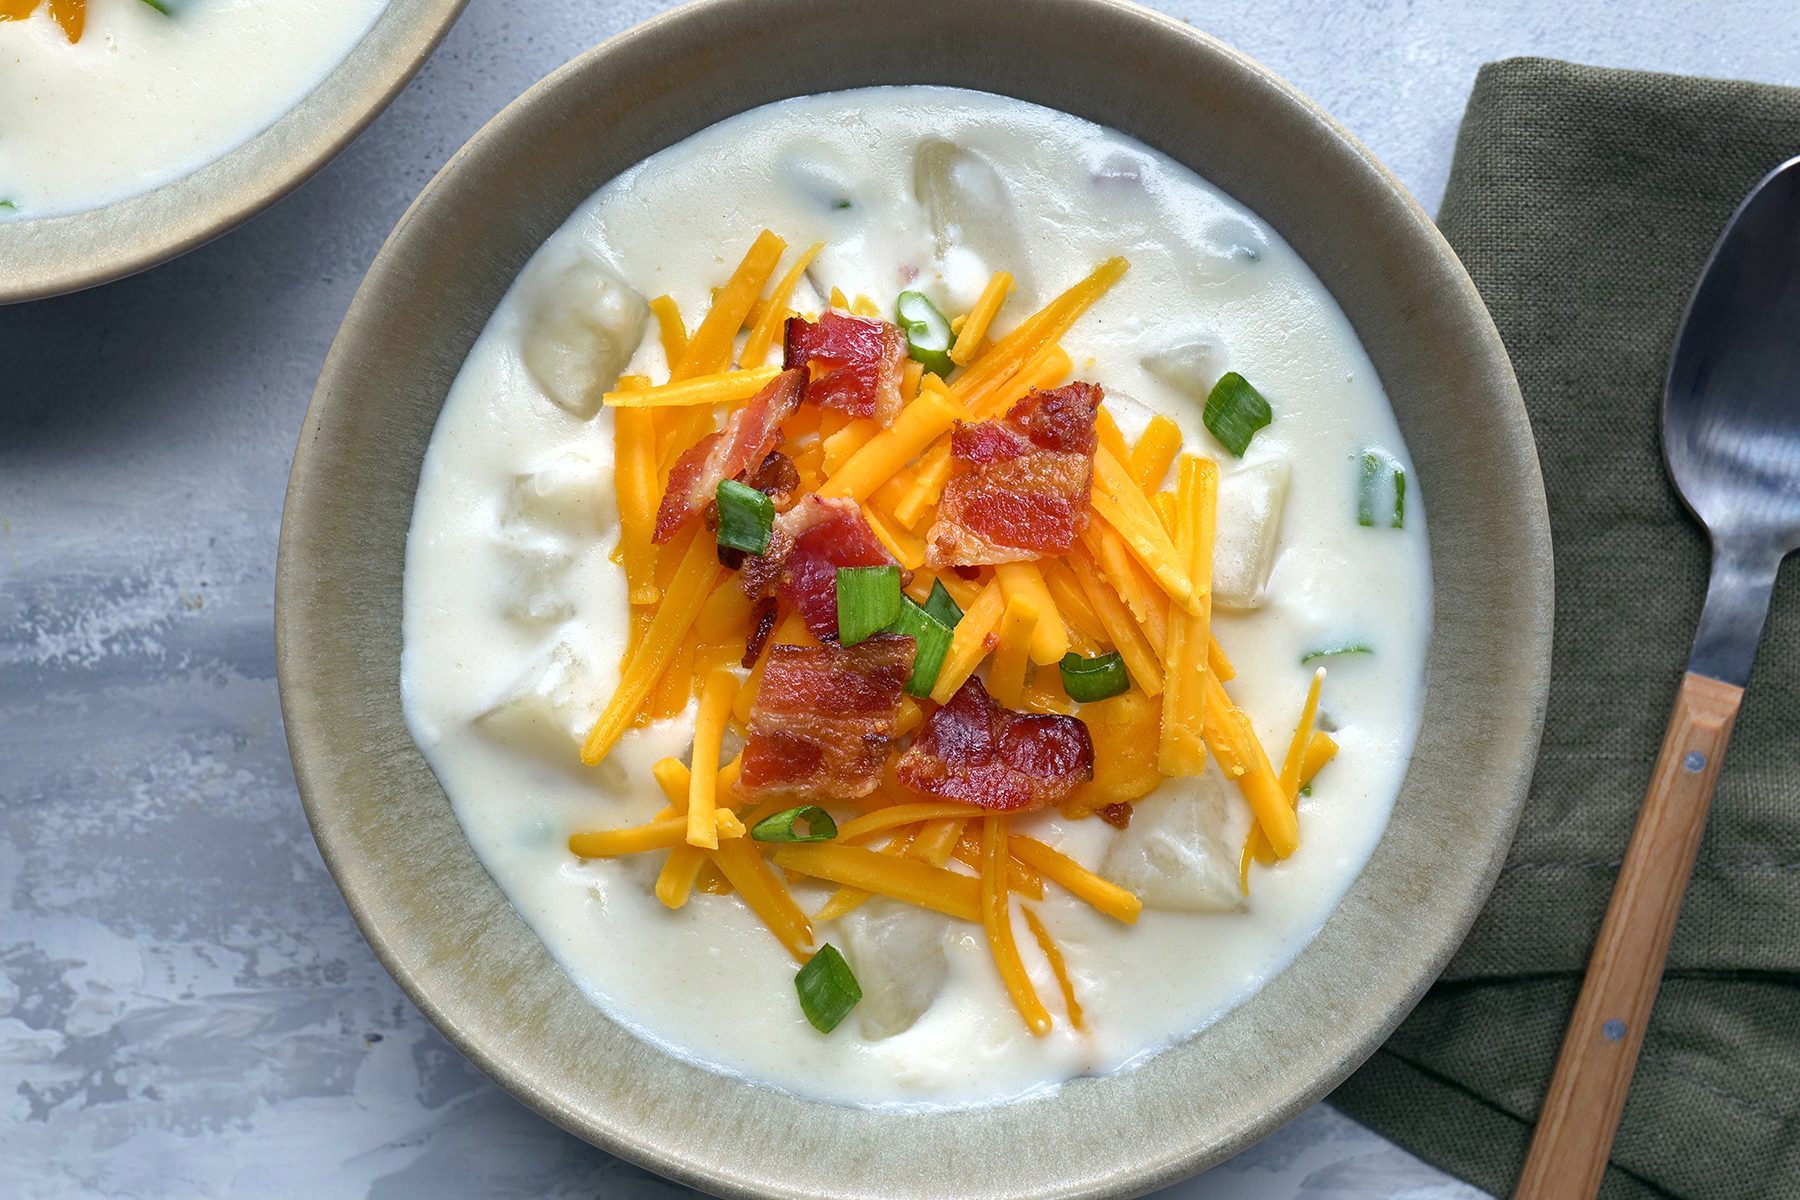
x=896, y=876
x=975, y=323
x=688, y=589
x=1006, y=675
x=996, y=919
x=1058, y=966
x=771, y=322
x=1104, y=895
x=1155, y=452
x=968, y=642
x=764, y=892
x=670, y=328
x=709, y=730
x=1050, y=637
x=709, y=350
x=1182, y=748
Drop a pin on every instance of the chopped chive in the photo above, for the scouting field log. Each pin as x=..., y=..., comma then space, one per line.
x=159, y=6
x=868, y=600
x=1090, y=679
x=841, y=203
x=928, y=336
x=1336, y=652
x=931, y=639
x=942, y=605
x=1379, y=473
x=828, y=990
x=782, y=827
x=746, y=517
x=1234, y=412
x=9, y=206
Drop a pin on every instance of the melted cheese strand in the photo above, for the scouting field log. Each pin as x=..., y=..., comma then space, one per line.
x=1058, y=967
x=894, y=876
x=1065, y=872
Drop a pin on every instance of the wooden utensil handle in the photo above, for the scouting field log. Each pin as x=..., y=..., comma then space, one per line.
x=1575, y=1128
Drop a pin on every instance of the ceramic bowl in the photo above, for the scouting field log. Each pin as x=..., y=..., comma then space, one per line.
x=49, y=256
x=447, y=933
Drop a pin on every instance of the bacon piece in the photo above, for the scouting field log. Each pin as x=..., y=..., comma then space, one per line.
x=764, y=625
x=824, y=718
x=748, y=436
x=974, y=751
x=855, y=363
x=778, y=479
x=1022, y=485
x=809, y=543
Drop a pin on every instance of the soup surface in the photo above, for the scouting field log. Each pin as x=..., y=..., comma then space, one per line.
x=515, y=610
x=144, y=97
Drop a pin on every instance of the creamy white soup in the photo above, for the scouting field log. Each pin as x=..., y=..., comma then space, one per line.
x=516, y=610
x=105, y=99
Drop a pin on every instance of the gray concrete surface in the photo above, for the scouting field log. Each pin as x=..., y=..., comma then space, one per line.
x=186, y=1009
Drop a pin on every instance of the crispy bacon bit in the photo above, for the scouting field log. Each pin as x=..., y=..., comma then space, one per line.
x=824, y=718
x=1022, y=485
x=1116, y=815
x=748, y=436
x=778, y=479
x=809, y=543
x=764, y=612
x=977, y=752
x=855, y=362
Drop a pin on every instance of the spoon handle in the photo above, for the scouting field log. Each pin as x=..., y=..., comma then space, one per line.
x=1575, y=1128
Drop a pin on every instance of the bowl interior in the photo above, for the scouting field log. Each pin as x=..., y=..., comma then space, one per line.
x=53, y=255
x=444, y=929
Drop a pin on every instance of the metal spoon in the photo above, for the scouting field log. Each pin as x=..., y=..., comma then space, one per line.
x=1731, y=439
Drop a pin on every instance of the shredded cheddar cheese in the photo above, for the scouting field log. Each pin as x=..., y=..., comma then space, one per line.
x=896, y=876
x=709, y=350
x=968, y=642
x=1182, y=751
x=973, y=330
x=670, y=328
x=1018, y=626
x=709, y=730
x=1154, y=453
x=1050, y=637
x=769, y=324
x=724, y=387
x=996, y=918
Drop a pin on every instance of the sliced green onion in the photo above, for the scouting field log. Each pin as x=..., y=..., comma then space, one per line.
x=1336, y=652
x=9, y=205
x=159, y=6
x=828, y=990
x=746, y=517
x=1307, y=790
x=942, y=605
x=928, y=336
x=1090, y=679
x=930, y=636
x=1235, y=411
x=782, y=827
x=1380, y=473
x=868, y=600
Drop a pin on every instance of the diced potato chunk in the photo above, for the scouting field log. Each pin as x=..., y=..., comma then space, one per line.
x=536, y=589
x=566, y=497
x=971, y=218
x=897, y=954
x=549, y=707
x=1174, y=854
x=1190, y=366
x=582, y=324
x=1250, y=503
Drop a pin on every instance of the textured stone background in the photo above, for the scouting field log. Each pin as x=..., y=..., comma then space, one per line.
x=186, y=1009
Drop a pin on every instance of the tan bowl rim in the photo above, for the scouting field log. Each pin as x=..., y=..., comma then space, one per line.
x=1114, y=1135
x=55, y=255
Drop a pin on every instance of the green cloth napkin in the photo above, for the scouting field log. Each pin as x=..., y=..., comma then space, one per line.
x=1584, y=203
